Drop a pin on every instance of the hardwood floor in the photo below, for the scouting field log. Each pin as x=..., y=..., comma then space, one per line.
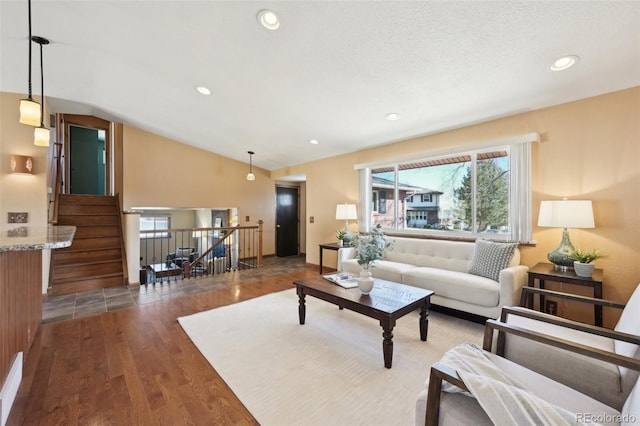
x=134, y=366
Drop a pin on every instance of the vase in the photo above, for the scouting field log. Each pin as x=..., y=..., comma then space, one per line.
x=340, y=243
x=583, y=269
x=365, y=281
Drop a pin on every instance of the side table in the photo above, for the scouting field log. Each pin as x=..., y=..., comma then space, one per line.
x=328, y=246
x=545, y=271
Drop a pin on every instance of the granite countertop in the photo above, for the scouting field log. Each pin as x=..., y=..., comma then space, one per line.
x=36, y=238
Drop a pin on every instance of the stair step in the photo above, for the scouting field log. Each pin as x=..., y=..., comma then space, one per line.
x=87, y=199
x=83, y=220
x=87, y=210
x=96, y=231
x=73, y=286
x=85, y=270
x=94, y=259
x=86, y=256
x=96, y=243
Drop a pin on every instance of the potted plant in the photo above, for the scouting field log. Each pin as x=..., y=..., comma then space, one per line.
x=341, y=234
x=583, y=261
x=369, y=249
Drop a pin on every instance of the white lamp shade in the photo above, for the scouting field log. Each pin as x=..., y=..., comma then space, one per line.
x=566, y=214
x=346, y=212
x=251, y=176
x=29, y=112
x=41, y=136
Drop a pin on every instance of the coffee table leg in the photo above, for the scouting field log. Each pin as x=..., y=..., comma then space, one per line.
x=424, y=321
x=302, y=310
x=387, y=342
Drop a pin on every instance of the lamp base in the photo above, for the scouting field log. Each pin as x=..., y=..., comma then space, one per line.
x=560, y=256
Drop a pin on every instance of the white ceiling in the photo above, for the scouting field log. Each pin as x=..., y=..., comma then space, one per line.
x=331, y=72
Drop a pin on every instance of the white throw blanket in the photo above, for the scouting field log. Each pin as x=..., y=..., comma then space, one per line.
x=504, y=400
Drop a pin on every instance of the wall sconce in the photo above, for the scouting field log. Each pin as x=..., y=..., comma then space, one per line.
x=21, y=164
x=565, y=214
x=250, y=175
x=346, y=212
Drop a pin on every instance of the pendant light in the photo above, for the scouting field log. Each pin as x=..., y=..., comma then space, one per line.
x=41, y=133
x=250, y=175
x=30, y=109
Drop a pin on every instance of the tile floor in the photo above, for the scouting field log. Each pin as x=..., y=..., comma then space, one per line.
x=69, y=306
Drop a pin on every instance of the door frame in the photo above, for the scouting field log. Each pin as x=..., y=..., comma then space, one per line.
x=298, y=189
x=92, y=123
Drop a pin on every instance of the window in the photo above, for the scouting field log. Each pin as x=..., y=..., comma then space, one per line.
x=155, y=223
x=478, y=193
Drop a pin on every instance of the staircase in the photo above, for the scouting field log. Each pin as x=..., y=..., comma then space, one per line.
x=96, y=257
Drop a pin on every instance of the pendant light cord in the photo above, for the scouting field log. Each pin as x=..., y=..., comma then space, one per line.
x=42, y=86
x=30, y=91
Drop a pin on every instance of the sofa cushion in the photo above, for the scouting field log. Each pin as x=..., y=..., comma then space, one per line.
x=385, y=270
x=603, y=382
x=454, y=285
x=489, y=258
x=451, y=255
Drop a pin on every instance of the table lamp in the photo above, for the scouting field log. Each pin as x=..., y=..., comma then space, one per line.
x=565, y=214
x=346, y=212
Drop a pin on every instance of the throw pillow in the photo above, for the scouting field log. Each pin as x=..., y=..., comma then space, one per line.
x=489, y=258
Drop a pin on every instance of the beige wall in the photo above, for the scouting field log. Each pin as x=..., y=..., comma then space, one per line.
x=161, y=172
x=590, y=149
x=20, y=193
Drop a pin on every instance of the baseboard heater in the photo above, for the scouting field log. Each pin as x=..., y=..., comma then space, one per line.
x=10, y=388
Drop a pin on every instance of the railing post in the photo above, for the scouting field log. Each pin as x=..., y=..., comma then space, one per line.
x=186, y=269
x=260, y=222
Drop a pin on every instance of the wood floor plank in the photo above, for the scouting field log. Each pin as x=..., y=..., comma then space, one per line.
x=135, y=366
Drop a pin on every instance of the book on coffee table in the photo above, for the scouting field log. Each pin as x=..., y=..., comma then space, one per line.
x=343, y=279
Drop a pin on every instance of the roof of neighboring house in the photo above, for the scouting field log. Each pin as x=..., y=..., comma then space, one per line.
x=378, y=182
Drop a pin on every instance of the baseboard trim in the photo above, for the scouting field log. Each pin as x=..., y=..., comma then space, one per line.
x=10, y=388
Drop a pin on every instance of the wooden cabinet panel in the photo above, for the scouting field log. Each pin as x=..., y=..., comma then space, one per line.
x=20, y=304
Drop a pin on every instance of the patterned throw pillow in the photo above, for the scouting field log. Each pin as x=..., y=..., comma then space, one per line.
x=489, y=258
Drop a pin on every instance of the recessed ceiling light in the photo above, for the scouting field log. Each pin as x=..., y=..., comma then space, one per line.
x=564, y=63
x=392, y=116
x=203, y=90
x=314, y=142
x=269, y=19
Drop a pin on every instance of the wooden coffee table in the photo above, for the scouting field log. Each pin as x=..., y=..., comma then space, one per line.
x=387, y=302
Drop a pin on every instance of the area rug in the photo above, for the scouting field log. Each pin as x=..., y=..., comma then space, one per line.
x=329, y=371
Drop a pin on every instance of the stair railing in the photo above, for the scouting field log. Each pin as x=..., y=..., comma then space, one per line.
x=55, y=177
x=171, y=254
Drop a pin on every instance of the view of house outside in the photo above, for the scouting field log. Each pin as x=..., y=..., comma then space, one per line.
x=437, y=194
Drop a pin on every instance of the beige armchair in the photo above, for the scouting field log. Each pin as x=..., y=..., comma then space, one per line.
x=606, y=382
x=542, y=394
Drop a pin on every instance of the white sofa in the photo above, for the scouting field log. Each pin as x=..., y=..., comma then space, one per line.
x=443, y=266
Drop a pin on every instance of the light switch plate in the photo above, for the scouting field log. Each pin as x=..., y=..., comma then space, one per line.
x=18, y=217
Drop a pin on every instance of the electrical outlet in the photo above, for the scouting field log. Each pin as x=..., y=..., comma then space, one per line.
x=20, y=217
x=551, y=307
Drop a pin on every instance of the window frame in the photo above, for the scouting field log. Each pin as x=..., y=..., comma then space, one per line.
x=520, y=193
x=164, y=232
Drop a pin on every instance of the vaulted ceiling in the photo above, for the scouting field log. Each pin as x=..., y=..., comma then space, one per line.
x=330, y=73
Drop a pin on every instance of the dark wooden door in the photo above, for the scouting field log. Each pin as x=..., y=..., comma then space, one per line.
x=286, y=221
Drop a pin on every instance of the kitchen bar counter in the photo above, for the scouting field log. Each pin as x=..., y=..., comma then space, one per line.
x=36, y=238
